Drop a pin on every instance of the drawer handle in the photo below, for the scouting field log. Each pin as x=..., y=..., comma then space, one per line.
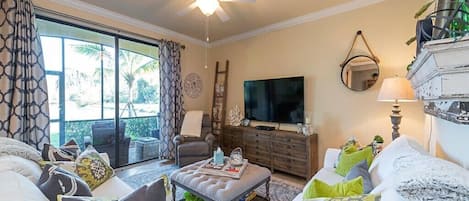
x=289, y=140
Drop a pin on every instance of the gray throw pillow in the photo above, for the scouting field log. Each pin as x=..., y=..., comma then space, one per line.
x=57, y=181
x=137, y=195
x=361, y=169
x=150, y=192
x=156, y=191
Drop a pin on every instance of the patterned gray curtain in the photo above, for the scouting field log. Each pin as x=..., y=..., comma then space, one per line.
x=171, y=99
x=24, y=108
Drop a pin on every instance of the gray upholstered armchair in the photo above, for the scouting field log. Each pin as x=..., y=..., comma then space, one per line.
x=193, y=149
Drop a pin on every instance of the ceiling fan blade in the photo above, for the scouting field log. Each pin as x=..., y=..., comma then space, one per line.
x=187, y=9
x=248, y=1
x=222, y=14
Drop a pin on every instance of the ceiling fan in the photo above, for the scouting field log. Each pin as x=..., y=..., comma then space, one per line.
x=208, y=7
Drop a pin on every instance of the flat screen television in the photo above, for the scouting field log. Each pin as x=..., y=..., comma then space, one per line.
x=275, y=100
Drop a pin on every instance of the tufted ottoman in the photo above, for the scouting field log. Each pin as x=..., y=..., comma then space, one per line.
x=218, y=188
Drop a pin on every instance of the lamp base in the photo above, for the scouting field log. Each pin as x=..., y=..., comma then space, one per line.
x=395, y=120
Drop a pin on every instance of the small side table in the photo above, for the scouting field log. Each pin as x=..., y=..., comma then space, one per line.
x=147, y=148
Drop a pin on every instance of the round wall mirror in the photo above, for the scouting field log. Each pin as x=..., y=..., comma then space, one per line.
x=360, y=73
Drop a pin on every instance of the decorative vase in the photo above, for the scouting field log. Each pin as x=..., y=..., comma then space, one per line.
x=307, y=129
x=236, y=157
x=235, y=116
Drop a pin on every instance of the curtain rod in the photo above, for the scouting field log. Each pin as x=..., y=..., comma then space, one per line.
x=84, y=22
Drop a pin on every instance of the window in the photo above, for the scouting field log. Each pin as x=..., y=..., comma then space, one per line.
x=81, y=73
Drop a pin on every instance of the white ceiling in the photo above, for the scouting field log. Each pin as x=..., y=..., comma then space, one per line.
x=244, y=16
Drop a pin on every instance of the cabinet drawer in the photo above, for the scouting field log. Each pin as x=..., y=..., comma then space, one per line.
x=290, y=146
x=256, y=136
x=259, y=142
x=252, y=148
x=261, y=158
x=290, y=165
x=290, y=139
x=296, y=151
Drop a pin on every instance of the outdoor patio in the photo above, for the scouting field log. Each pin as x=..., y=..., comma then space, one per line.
x=139, y=137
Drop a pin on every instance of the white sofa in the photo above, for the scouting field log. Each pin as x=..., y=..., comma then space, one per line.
x=18, y=177
x=381, y=169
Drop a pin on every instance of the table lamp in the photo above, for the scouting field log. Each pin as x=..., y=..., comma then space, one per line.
x=396, y=89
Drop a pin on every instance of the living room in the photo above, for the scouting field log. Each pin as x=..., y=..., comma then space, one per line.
x=260, y=41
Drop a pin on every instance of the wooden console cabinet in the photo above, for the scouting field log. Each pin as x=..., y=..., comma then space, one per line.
x=279, y=150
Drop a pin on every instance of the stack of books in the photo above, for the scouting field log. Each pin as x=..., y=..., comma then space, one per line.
x=249, y=196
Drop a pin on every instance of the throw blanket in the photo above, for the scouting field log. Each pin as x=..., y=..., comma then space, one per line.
x=192, y=124
x=9, y=146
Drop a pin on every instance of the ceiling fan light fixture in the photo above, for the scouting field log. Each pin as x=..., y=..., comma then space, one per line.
x=208, y=7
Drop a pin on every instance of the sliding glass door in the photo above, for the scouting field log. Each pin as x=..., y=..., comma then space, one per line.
x=100, y=96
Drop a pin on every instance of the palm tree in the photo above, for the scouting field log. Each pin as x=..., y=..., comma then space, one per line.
x=131, y=65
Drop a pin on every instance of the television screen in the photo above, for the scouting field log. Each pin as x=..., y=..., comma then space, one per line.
x=275, y=100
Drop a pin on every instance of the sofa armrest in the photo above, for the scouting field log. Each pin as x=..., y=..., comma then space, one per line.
x=331, y=157
x=178, y=140
x=210, y=138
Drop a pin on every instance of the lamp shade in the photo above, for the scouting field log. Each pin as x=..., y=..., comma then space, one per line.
x=396, y=89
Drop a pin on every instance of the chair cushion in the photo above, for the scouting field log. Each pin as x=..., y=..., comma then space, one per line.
x=194, y=149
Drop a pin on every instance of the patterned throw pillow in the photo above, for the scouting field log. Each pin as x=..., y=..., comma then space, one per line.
x=67, y=165
x=67, y=152
x=57, y=181
x=92, y=168
x=422, y=177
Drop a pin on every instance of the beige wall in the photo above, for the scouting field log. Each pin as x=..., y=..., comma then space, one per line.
x=192, y=58
x=315, y=50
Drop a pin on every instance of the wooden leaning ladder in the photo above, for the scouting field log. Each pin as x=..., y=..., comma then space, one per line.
x=220, y=90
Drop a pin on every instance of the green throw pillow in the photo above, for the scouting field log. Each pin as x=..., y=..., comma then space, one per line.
x=348, y=160
x=92, y=168
x=351, y=198
x=319, y=189
x=351, y=148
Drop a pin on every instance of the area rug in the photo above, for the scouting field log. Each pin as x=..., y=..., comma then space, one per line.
x=280, y=190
